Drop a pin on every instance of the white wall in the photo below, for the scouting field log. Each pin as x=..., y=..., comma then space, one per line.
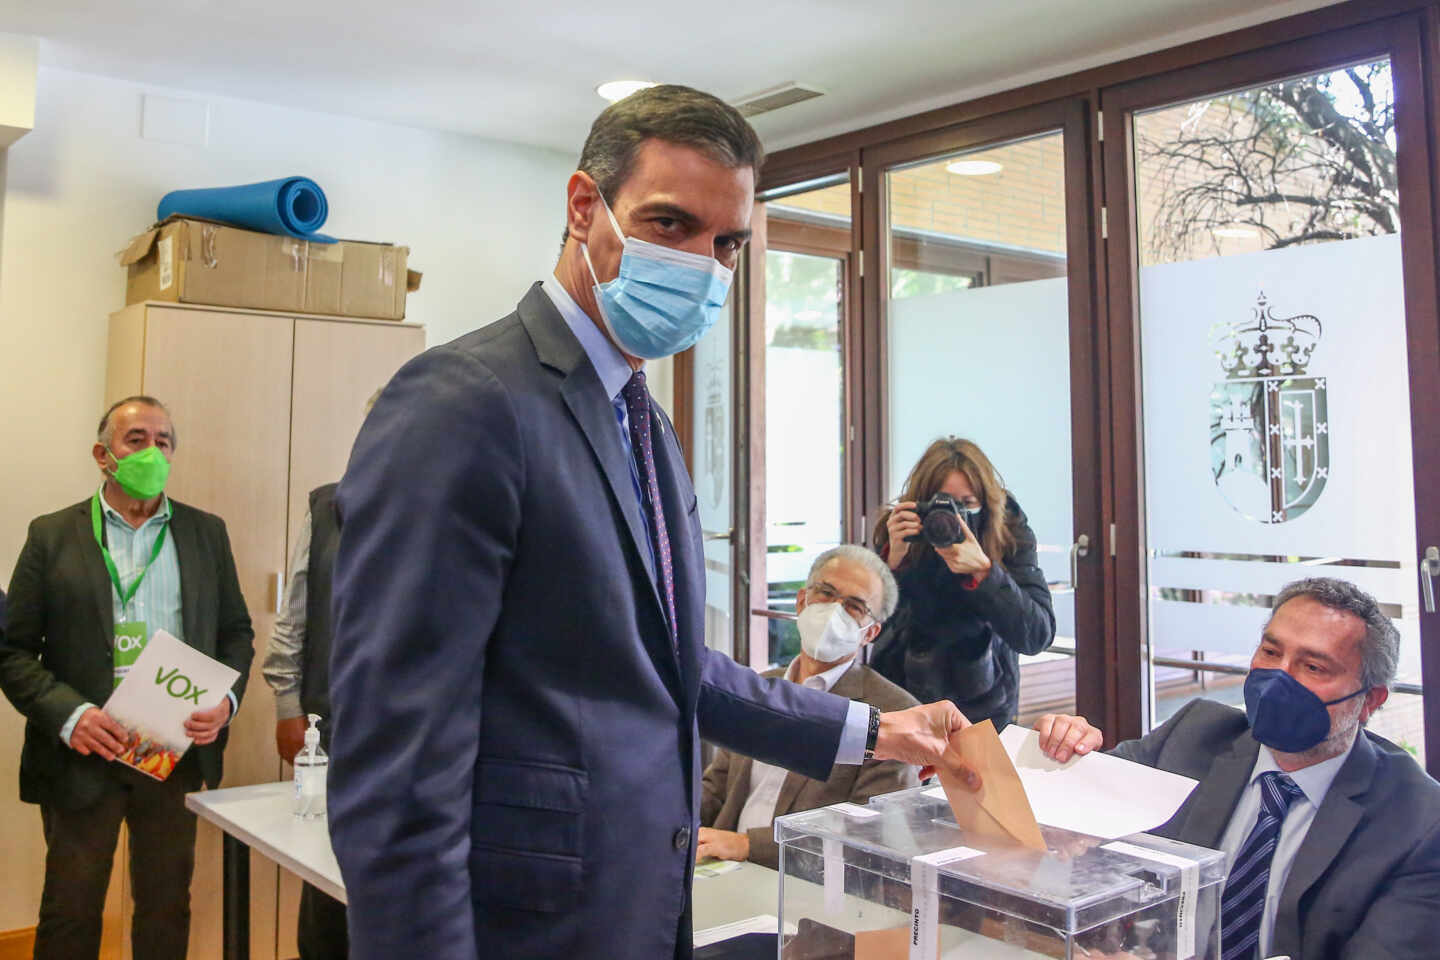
x=482, y=219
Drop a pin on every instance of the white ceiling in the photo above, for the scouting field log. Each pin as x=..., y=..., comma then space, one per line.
x=526, y=72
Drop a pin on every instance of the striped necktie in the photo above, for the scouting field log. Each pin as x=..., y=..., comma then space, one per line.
x=1243, y=902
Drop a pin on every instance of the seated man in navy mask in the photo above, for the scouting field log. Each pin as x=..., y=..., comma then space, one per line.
x=1332, y=833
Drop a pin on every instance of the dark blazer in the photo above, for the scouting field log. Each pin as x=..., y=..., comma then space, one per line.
x=56, y=652
x=727, y=780
x=1365, y=883
x=515, y=764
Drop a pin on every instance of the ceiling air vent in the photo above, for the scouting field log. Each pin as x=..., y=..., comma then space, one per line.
x=775, y=98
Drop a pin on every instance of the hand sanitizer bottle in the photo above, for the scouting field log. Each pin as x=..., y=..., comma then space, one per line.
x=311, y=768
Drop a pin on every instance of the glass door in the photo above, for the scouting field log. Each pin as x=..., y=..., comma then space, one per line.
x=1280, y=292
x=987, y=344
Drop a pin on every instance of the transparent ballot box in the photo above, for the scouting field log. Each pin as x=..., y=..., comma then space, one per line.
x=898, y=880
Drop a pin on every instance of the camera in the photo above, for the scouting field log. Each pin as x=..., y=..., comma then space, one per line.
x=939, y=521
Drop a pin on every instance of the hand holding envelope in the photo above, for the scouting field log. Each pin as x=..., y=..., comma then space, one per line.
x=999, y=809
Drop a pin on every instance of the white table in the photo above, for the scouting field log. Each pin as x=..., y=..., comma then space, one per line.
x=260, y=817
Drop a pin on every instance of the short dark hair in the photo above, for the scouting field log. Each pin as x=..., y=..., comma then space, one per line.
x=103, y=431
x=1380, y=649
x=671, y=113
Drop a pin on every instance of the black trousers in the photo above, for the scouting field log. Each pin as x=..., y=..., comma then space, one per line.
x=80, y=850
x=322, y=934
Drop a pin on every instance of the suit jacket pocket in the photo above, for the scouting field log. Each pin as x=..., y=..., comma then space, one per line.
x=527, y=806
x=526, y=834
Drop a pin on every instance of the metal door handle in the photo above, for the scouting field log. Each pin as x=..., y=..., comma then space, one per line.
x=279, y=582
x=1429, y=570
x=713, y=535
x=1080, y=548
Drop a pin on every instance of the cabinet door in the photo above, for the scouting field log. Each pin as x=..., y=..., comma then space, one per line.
x=338, y=366
x=226, y=379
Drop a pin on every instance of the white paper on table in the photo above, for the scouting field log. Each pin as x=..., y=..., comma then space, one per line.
x=1096, y=794
x=765, y=923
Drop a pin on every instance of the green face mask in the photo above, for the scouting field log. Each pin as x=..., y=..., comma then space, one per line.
x=142, y=475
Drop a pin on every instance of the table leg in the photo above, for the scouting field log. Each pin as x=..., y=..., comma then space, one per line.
x=235, y=865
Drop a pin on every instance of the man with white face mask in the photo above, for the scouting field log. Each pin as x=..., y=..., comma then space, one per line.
x=850, y=592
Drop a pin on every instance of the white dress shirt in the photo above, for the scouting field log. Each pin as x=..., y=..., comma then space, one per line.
x=1314, y=782
x=765, y=780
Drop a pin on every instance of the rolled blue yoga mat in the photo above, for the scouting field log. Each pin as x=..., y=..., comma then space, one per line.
x=293, y=206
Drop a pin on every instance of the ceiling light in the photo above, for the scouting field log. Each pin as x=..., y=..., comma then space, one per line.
x=1234, y=233
x=974, y=168
x=620, y=89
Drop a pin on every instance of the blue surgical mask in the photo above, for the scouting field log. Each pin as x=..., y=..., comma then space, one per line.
x=1284, y=714
x=663, y=300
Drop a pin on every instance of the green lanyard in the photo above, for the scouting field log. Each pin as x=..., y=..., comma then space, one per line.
x=97, y=524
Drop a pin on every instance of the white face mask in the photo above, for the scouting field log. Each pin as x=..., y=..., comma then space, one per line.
x=827, y=634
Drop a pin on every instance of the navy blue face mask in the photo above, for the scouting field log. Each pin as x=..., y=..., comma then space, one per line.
x=1284, y=714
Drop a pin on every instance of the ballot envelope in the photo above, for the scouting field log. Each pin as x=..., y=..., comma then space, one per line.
x=898, y=879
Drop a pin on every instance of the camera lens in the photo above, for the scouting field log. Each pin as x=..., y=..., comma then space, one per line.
x=942, y=528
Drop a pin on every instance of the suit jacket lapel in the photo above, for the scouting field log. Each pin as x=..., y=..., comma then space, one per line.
x=1215, y=797
x=558, y=349
x=1337, y=818
x=188, y=557
x=100, y=586
x=584, y=395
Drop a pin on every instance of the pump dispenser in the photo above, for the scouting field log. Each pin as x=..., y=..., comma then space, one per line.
x=311, y=768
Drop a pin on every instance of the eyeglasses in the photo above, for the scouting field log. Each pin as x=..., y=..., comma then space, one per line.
x=854, y=606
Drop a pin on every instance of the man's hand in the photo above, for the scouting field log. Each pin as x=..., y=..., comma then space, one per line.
x=98, y=733
x=903, y=522
x=1063, y=736
x=205, y=725
x=289, y=736
x=920, y=735
x=722, y=845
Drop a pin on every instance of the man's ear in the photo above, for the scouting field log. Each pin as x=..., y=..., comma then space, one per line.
x=582, y=197
x=100, y=454
x=800, y=601
x=1374, y=700
x=871, y=632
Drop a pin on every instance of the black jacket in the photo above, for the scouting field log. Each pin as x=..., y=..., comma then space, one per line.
x=949, y=641
x=55, y=653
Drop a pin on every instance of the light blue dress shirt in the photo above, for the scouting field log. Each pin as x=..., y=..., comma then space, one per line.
x=1314, y=782
x=614, y=372
x=157, y=601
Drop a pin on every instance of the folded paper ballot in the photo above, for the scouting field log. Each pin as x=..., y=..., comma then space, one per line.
x=168, y=682
x=1096, y=794
x=999, y=810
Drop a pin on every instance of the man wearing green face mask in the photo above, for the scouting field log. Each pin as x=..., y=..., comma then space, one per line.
x=93, y=583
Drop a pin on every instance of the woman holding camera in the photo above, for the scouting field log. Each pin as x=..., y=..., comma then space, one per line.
x=972, y=594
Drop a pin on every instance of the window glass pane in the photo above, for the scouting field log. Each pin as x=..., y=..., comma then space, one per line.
x=804, y=416
x=978, y=333
x=1275, y=388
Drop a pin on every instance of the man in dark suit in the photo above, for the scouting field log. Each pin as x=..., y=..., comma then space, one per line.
x=1333, y=833
x=519, y=675
x=849, y=593
x=116, y=567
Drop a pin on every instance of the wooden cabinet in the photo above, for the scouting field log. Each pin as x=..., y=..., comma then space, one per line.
x=266, y=407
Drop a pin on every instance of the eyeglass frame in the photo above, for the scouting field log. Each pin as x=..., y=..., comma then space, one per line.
x=834, y=596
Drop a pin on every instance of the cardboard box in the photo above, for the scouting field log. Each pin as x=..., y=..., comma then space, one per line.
x=188, y=260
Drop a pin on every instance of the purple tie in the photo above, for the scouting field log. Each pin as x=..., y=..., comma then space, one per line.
x=637, y=407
